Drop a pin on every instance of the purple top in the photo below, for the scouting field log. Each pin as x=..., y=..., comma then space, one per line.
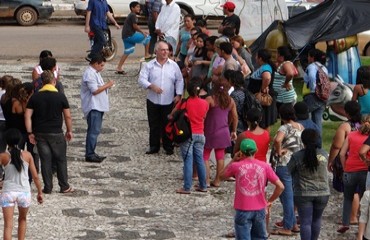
x=216, y=128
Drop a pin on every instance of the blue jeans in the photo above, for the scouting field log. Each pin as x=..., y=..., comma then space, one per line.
x=53, y=147
x=310, y=210
x=286, y=197
x=250, y=225
x=316, y=108
x=351, y=180
x=192, y=151
x=99, y=40
x=94, y=124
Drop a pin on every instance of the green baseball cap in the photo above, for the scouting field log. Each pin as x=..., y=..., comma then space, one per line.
x=248, y=146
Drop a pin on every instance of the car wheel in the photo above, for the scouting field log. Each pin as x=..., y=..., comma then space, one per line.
x=26, y=16
x=367, y=50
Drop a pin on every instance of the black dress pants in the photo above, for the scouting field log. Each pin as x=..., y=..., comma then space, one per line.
x=157, y=117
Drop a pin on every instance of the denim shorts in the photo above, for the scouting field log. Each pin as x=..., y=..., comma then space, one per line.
x=9, y=199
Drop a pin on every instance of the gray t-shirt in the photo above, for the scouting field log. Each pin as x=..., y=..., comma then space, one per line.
x=128, y=29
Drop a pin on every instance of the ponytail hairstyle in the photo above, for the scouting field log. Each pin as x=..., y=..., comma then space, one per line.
x=286, y=52
x=25, y=91
x=265, y=55
x=317, y=55
x=310, y=139
x=365, y=125
x=353, y=111
x=254, y=116
x=220, y=93
x=12, y=138
x=194, y=86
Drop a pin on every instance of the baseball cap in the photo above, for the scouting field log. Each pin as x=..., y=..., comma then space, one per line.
x=229, y=6
x=248, y=146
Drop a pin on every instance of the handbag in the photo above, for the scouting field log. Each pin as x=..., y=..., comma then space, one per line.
x=338, y=175
x=264, y=98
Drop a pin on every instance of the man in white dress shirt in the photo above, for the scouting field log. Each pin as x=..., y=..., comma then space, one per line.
x=165, y=85
x=168, y=23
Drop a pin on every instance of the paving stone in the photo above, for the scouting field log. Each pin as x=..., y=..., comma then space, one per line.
x=131, y=195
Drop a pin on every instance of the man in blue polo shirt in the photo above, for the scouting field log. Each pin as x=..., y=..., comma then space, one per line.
x=96, y=21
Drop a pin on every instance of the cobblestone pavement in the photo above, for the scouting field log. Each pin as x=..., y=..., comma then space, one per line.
x=132, y=195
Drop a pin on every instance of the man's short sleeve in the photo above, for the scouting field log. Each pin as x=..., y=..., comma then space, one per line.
x=65, y=102
x=30, y=103
x=90, y=6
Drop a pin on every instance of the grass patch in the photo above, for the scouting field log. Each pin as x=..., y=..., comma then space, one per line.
x=328, y=129
x=365, y=61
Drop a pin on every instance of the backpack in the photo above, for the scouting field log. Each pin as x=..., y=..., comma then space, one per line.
x=178, y=128
x=322, y=89
x=250, y=101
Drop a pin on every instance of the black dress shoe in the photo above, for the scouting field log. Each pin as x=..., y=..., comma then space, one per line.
x=100, y=157
x=94, y=159
x=152, y=151
x=169, y=152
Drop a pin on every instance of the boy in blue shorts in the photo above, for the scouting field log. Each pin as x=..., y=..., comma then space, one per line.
x=131, y=35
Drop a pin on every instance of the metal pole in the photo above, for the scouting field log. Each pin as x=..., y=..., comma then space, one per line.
x=261, y=17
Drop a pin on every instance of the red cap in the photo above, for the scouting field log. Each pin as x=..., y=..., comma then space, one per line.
x=229, y=6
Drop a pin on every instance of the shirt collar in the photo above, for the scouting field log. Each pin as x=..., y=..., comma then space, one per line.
x=48, y=87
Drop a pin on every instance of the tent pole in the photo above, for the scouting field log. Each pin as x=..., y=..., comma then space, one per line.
x=261, y=16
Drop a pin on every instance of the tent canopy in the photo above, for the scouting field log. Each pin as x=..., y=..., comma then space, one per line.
x=332, y=19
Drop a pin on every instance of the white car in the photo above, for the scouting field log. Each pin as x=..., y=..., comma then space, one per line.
x=199, y=8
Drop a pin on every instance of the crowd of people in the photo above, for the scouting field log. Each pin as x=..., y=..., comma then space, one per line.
x=211, y=77
x=32, y=137
x=217, y=71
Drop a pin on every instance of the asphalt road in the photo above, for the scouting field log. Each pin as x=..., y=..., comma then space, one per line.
x=66, y=40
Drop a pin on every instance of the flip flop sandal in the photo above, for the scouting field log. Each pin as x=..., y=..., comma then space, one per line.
x=230, y=235
x=281, y=232
x=343, y=229
x=69, y=190
x=214, y=185
x=120, y=72
x=201, y=190
x=182, y=191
